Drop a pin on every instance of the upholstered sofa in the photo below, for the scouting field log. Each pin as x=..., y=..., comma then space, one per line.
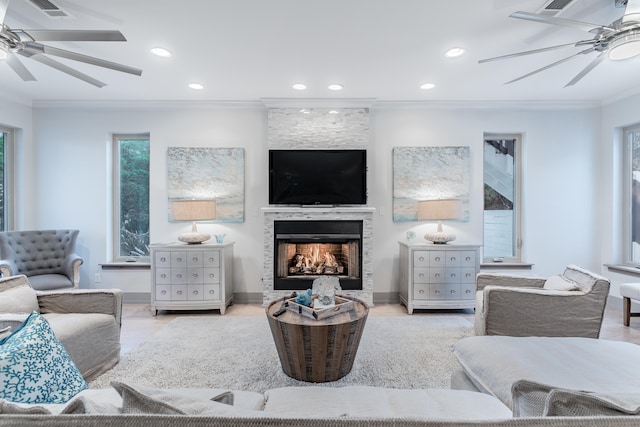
x=47, y=257
x=86, y=322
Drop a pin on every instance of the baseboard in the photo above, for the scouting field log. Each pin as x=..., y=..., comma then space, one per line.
x=247, y=298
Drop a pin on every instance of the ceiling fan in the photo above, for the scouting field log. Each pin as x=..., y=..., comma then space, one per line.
x=616, y=41
x=27, y=43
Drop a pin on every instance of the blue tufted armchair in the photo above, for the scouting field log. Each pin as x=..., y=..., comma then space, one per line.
x=46, y=257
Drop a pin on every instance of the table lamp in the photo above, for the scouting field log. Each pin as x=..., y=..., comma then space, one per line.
x=439, y=209
x=193, y=210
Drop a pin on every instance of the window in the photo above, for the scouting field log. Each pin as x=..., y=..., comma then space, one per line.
x=632, y=173
x=131, y=197
x=6, y=145
x=501, y=224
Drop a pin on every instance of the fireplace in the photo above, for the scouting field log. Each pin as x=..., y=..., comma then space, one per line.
x=306, y=250
x=361, y=215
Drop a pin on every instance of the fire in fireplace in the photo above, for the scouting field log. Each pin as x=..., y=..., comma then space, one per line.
x=306, y=250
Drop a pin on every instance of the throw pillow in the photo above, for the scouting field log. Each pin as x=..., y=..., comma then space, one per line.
x=35, y=367
x=572, y=403
x=560, y=283
x=17, y=295
x=145, y=400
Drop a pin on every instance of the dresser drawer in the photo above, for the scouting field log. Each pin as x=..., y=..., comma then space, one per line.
x=467, y=275
x=437, y=259
x=468, y=259
x=178, y=292
x=195, y=293
x=468, y=291
x=195, y=275
x=421, y=259
x=421, y=291
x=163, y=259
x=421, y=275
x=437, y=291
x=211, y=292
x=179, y=276
x=452, y=275
x=211, y=275
x=452, y=291
x=163, y=292
x=211, y=259
x=195, y=259
x=163, y=276
x=452, y=259
x=437, y=275
x=178, y=259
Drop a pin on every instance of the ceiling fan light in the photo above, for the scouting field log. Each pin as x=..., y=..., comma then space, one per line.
x=625, y=46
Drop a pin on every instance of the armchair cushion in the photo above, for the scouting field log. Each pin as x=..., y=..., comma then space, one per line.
x=17, y=296
x=558, y=282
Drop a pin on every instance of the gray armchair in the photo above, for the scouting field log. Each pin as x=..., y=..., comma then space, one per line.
x=520, y=306
x=46, y=257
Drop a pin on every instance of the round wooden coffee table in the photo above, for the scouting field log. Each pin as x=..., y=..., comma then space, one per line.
x=317, y=350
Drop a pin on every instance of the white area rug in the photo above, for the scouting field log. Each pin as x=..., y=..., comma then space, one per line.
x=239, y=353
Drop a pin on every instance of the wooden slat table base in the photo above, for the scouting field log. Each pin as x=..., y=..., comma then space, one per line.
x=317, y=350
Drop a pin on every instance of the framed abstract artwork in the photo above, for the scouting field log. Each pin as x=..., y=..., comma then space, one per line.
x=203, y=173
x=429, y=173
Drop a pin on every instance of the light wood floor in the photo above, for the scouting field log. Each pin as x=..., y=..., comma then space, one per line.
x=138, y=323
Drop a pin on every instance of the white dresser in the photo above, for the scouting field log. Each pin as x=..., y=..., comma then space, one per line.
x=438, y=276
x=191, y=277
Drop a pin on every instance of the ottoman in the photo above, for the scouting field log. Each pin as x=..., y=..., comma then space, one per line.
x=629, y=291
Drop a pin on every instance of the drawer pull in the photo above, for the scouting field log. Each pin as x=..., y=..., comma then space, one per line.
x=452, y=291
x=163, y=292
x=163, y=259
x=453, y=258
x=468, y=291
x=437, y=275
x=194, y=259
x=421, y=258
x=421, y=275
x=195, y=275
x=453, y=275
x=211, y=259
x=164, y=276
x=211, y=275
x=195, y=292
x=211, y=291
x=421, y=291
x=468, y=258
x=437, y=292
x=437, y=258
x=179, y=276
x=179, y=292
x=179, y=259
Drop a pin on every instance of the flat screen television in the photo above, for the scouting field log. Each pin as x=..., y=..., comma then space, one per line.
x=317, y=177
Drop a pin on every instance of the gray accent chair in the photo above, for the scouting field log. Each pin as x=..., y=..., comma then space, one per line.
x=520, y=306
x=46, y=257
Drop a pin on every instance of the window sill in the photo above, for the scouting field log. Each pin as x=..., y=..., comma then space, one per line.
x=507, y=265
x=625, y=269
x=136, y=265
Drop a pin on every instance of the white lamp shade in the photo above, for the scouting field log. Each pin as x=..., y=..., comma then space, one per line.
x=439, y=209
x=193, y=210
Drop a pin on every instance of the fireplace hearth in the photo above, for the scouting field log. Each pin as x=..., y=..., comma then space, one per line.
x=306, y=250
x=345, y=252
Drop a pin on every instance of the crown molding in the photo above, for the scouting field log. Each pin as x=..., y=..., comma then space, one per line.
x=318, y=102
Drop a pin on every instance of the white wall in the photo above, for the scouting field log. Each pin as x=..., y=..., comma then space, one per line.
x=562, y=161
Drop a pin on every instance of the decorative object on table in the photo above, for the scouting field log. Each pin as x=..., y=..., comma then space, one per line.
x=304, y=298
x=208, y=173
x=220, y=238
x=411, y=235
x=426, y=173
x=193, y=210
x=325, y=287
x=438, y=210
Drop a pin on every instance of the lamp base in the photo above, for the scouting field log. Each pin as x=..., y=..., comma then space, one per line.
x=194, y=238
x=439, y=237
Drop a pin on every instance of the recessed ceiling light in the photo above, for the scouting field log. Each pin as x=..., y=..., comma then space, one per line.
x=335, y=86
x=334, y=112
x=299, y=86
x=454, y=52
x=305, y=111
x=427, y=86
x=196, y=86
x=160, y=51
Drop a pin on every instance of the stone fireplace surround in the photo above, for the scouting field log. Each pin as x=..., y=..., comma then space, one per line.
x=283, y=213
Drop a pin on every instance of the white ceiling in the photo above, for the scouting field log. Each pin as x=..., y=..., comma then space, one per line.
x=246, y=50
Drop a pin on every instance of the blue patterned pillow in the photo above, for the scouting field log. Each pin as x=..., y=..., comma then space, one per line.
x=35, y=367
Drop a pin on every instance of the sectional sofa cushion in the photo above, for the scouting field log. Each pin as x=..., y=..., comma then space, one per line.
x=17, y=295
x=572, y=363
x=378, y=402
x=35, y=367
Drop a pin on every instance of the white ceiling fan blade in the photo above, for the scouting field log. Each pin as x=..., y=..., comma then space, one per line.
x=593, y=64
x=4, y=5
x=72, y=35
x=551, y=65
x=84, y=58
x=528, y=52
x=17, y=66
x=68, y=70
x=632, y=12
x=579, y=25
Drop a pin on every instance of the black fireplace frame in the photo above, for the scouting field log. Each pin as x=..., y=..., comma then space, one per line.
x=324, y=231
